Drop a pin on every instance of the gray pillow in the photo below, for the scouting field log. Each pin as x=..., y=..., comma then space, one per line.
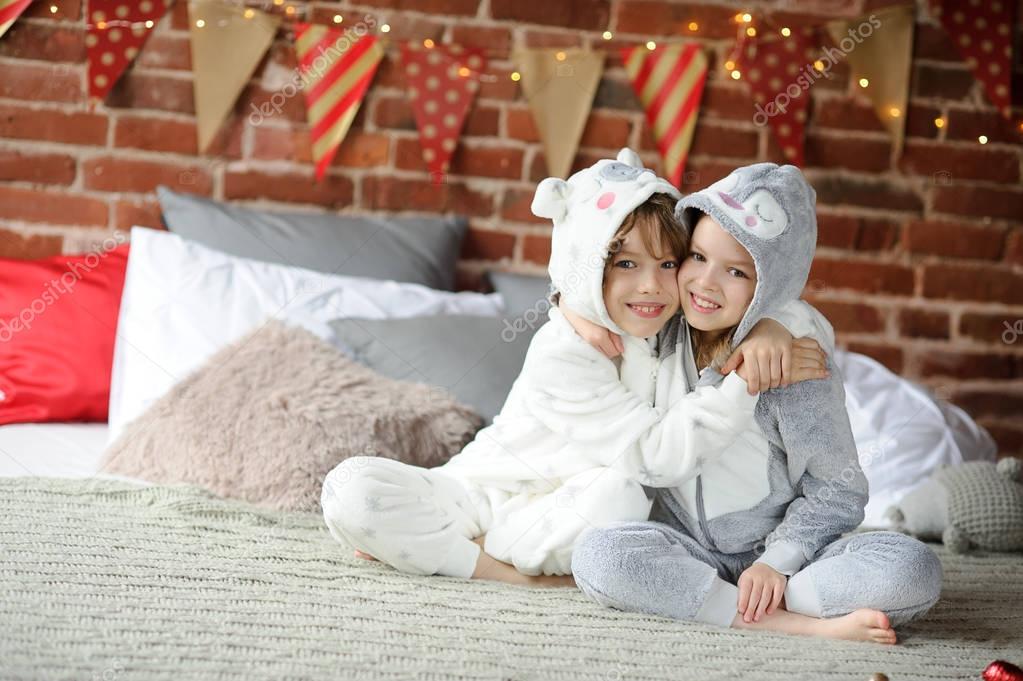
x=416, y=249
x=475, y=358
x=520, y=292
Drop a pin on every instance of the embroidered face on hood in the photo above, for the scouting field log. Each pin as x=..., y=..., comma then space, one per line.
x=587, y=211
x=771, y=211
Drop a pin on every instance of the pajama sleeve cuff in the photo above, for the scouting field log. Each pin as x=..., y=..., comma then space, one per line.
x=784, y=557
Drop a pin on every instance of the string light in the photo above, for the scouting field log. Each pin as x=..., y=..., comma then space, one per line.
x=385, y=28
x=785, y=31
x=736, y=75
x=428, y=44
x=560, y=56
x=608, y=35
x=746, y=17
x=751, y=31
x=864, y=82
x=982, y=139
x=53, y=9
x=651, y=45
x=729, y=65
x=290, y=9
x=149, y=23
x=939, y=122
x=516, y=76
x=199, y=24
x=338, y=19
x=894, y=112
x=693, y=26
x=819, y=65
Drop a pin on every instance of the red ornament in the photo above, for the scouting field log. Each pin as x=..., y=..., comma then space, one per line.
x=1000, y=670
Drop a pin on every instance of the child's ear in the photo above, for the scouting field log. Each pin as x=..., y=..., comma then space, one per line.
x=551, y=199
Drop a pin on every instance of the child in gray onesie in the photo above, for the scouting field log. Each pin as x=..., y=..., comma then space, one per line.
x=756, y=540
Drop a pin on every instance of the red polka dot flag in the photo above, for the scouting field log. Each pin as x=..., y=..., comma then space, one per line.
x=442, y=83
x=117, y=31
x=669, y=82
x=337, y=69
x=9, y=11
x=779, y=70
x=981, y=30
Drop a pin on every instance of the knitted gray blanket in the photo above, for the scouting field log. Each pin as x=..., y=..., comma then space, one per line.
x=106, y=580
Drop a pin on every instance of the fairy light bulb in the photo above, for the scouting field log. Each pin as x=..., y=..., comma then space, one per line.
x=786, y=31
x=338, y=18
x=864, y=82
x=894, y=112
x=982, y=139
x=729, y=65
x=751, y=32
x=693, y=26
x=651, y=45
x=736, y=75
x=516, y=76
x=199, y=24
x=385, y=28
x=939, y=122
x=819, y=65
x=746, y=17
x=608, y=35
x=561, y=56
x=149, y=23
x=428, y=44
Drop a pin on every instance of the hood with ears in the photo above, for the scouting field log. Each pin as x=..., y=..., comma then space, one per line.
x=587, y=211
x=771, y=211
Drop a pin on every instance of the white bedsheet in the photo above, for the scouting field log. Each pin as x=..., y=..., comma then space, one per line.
x=53, y=450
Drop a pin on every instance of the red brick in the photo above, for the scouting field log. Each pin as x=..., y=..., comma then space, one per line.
x=332, y=191
x=459, y=7
x=500, y=86
x=851, y=317
x=654, y=18
x=837, y=231
x=847, y=114
x=932, y=42
x=46, y=42
x=868, y=193
x=716, y=140
x=41, y=82
x=66, y=9
x=487, y=244
x=725, y=101
x=588, y=15
x=965, y=365
x=482, y=121
x=127, y=214
x=281, y=143
x=39, y=168
x=536, y=248
x=969, y=124
x=394, y=113
x=520, y=125
x=1002, y=328
x=915, y=323
x=947, y=162
x=21, y=247
x=501, y=162
x=414, y=28
x=490, y=38
x=941, y=82
x=53, y=126
x=987, y=283
x=888, y=355
x=920, y=121
x=955, y=240
x=977, y=202
x=55, y=208
x=136, y=90
x=1014, y=247
x=605, y=131
x=860, y=275
x=1002, y=403
x=852, y=153
x=362, y=150
x=115, y=174
x=390, y=74
x=515, y=206
x=155, y=134
x=877, y=235
x=165, y=51
x=396, y=194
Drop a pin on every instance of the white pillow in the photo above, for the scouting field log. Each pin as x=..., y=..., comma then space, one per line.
x=903, y=433
x=183, y=302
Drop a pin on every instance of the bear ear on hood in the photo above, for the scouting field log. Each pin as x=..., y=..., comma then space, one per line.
x=629, y=158
x=551, y=199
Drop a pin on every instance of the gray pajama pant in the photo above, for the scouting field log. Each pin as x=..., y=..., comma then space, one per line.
x=652, y=568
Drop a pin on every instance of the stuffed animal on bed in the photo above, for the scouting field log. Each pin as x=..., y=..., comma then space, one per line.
x=975, y=505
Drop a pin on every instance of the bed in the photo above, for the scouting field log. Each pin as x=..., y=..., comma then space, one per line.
x=108, y=578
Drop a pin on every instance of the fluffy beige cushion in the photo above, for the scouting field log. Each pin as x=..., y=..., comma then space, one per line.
x=268, y=417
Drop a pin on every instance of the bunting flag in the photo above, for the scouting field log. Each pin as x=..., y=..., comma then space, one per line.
x=880, y=63
x=669, y=82
x=982, y=33
x=442, y=83
x=559, y=86
x=336, y=70
x=9, y=11
x=218, y=29
x=779, y=71
x=117, y=31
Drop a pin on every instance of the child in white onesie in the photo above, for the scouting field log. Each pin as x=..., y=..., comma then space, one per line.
x=532, y=482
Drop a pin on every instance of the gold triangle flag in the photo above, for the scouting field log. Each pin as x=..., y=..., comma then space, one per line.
x=882, y=60
x=228, y=43
x=559, y=86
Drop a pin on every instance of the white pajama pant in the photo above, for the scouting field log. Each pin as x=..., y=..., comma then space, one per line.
x=423, y=520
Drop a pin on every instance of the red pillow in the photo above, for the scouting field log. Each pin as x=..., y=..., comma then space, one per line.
x=58, y=319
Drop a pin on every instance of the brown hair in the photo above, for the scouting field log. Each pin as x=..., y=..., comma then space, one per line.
x=661, y=231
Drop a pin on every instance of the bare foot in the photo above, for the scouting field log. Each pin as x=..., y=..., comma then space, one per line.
x=860, y=625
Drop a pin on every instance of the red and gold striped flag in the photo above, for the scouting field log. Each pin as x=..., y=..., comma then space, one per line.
x=337, y=70
x=669, y=82
x=9, y=11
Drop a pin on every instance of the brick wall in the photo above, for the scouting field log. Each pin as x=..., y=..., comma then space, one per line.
x=920, y=261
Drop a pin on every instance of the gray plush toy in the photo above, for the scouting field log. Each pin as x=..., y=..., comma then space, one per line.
x=975, y=505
